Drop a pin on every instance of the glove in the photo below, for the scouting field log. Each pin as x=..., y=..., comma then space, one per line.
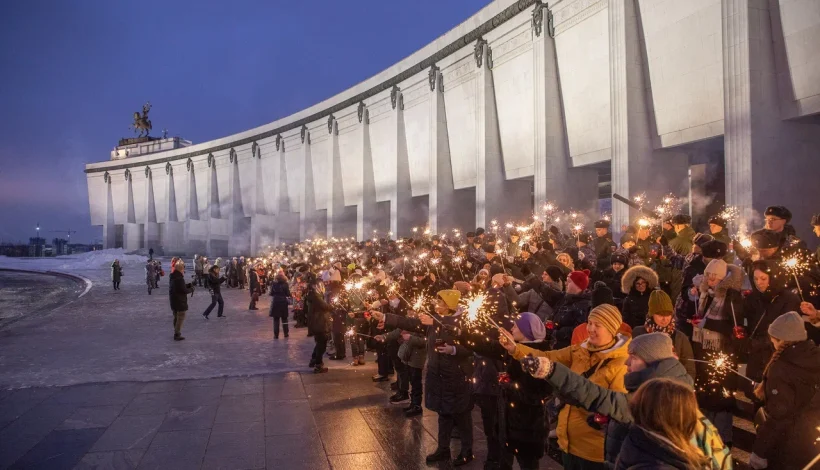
x=446, y=349
x=758, y=463
x=538, y=367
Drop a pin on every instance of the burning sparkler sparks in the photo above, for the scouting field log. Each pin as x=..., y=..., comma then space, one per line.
x=794, y=265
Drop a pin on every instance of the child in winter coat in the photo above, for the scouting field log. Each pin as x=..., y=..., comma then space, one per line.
x=413, y=354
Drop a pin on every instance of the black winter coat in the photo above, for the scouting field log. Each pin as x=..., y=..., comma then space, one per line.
x=570, y=311
x=447, y=381
x=792, y=387
x=685, y=309
x=178, y=291
x=642, y=450
x=485, y=375
x=524, y=426
x=215, y=283
x=317, y=313
x=761, y=309
x=280, y=292
x=636, y=307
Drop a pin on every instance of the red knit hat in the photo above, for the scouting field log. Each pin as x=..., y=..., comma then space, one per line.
x=580, y=278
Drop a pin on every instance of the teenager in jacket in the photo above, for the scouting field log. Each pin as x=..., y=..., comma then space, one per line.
x=447, y=389
x=637, y=283
x=280, y=295
x=659, y=320
x=601, y=358
x=650, y=357
x=178, y=292
x=791, y=394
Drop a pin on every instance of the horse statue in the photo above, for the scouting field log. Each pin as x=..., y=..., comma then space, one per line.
x=141, y=122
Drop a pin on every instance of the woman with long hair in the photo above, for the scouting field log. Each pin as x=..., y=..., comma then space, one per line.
x=665, y=413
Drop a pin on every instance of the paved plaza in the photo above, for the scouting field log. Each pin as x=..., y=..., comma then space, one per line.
x=99, y=383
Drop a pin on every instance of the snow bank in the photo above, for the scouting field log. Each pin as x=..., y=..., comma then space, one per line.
x=100, y=258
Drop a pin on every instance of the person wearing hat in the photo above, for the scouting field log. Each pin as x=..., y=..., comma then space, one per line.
x=718, y=323
x=603, y=244
x=694, y=264
x=791, y=399
x=637, y=283
x=717, y=228
x=447, y=388
x=650, y=356
x=682, y=243
x=612, y=276
x=524, y=428
x=602, y=358
x=513, y=248
x=659, y=320
x=815, y=224
x=571, y=306
x=629, y=249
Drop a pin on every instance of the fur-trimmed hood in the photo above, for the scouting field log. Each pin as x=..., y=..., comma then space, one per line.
x=635, y=272
x=733, y=280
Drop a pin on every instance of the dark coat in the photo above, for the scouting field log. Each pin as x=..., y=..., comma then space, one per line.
x=604, y=247
x=792, y=383
x=635, y=307
x=280, y=293
x=178, y=291
x=761, y=309
x=254, y=280
x=215, y=283
x=116, y=272
x=642, y=450
x=317, y=312
x=525, y=429
x=570, y=311
x=446, y=384
x=685, y=309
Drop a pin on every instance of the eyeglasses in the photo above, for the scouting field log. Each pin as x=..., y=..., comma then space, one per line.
x=773, y=219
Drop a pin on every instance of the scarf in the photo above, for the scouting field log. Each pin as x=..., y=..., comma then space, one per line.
x=652, y=327
x=711, y=340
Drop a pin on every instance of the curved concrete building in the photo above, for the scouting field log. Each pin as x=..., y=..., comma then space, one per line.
x=522, y=103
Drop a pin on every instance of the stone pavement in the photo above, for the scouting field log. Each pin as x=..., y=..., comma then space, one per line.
x=279, y=421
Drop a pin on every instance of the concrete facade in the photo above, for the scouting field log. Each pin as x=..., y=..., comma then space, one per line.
x=520, y=104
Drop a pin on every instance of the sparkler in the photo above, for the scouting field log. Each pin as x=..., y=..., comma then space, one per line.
x=794, y=265
x=351, y=332
x=721, y=365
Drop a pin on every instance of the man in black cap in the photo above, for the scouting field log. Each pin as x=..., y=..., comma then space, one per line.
x=717, y=227
x=603, y=244
x=586, y=254
x=777, y=220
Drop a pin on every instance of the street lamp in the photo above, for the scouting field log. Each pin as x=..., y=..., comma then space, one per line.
x=37, y=239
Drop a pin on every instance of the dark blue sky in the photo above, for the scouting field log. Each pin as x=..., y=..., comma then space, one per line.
x=73, y=72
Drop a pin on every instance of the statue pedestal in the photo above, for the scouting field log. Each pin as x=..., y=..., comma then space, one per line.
x=144, y=145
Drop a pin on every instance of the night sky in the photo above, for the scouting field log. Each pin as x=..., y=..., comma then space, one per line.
x=73, y=73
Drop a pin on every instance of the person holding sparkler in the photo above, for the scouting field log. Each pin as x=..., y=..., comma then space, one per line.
x=768, y=300
x=637, y=283
x=650, y=356
x=717, y=228
x=718, y=324
x=280, y=300
x=571, y=307
x=447, y=389
x=790, y=392
x=603, y=244
x=602, y=359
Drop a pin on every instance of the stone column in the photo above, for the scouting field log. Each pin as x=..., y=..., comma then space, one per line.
x=555, y=179
x=448, y=208
x=307, y=211
x=368, y=210
x=409, y=211
x=769, y=161
x=496, y=197
x=193, y=202
x=152, y=234
x=109, y=229
x=636, y=167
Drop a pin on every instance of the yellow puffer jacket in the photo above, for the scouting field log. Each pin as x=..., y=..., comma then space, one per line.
x=575, y=436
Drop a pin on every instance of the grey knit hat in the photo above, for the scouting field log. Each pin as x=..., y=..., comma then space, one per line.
x=652, y=347
x=788, y=327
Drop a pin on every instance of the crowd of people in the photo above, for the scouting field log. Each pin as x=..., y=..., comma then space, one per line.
x=627, y=352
